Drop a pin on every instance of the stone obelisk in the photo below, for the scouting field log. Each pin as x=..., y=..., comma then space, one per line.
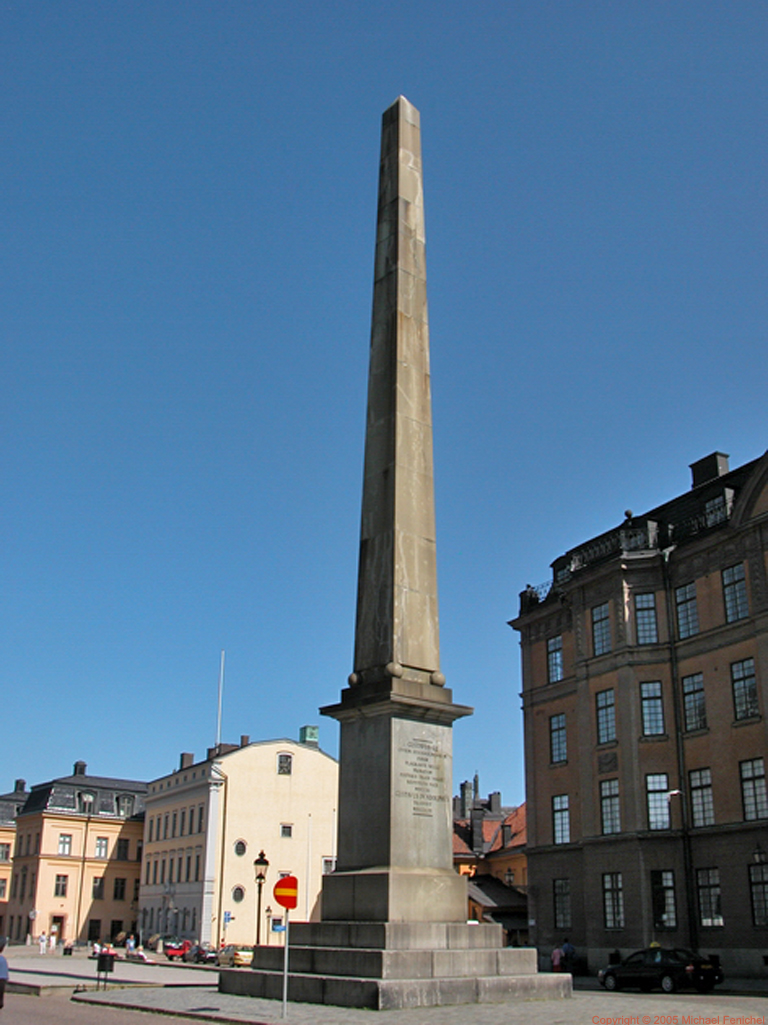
x=395, y=821
x=394, y=932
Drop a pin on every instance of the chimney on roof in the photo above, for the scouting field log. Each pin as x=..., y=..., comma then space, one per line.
x=494, y=802
x=20, y=786
x=466, y=799
x=709, y=468
x=187, y=759
x=477, y=816
x=310, y=735
x=79, y=769
x=244, y=740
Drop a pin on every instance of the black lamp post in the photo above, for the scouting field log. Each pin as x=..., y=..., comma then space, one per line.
x=260, y=866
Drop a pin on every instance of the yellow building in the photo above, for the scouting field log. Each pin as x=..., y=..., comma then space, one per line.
x=76, y=859
x=10, y=805
x=209, y=821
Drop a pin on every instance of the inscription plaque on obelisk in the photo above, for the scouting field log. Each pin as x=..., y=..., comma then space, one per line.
x=395, y=860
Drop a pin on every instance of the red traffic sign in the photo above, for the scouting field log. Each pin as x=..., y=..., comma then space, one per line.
x=287, y=892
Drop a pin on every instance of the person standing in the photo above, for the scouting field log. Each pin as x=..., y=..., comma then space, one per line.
x=569, y=953
x=557, y=957
x=3, y=971
x=43, y=941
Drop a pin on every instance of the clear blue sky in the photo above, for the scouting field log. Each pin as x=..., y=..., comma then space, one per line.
x=187, y=213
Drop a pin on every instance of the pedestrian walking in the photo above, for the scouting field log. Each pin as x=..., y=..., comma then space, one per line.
x=557, y=958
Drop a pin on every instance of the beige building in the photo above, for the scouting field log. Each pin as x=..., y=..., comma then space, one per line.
x=645, y=695
x=10, y=805
x=209, y=821
x=76, y=860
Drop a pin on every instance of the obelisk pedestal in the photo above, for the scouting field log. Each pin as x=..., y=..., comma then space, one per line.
x=394, y=929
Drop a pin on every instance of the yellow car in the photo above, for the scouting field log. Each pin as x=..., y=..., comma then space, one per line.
x=235, y=957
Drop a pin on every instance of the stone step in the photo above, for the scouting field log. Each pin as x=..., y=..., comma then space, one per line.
x=399, y=964
x=398, y=935
x=394, y=994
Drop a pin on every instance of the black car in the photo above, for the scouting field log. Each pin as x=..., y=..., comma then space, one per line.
x=665, y=968
x=201, y=953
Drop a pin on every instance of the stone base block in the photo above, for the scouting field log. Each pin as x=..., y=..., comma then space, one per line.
x=395, y=894
x=394, y=994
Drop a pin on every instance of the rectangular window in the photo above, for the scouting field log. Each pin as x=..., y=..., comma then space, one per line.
x=557, y=741
x=200, y=819
x=758, y=889
x=601, y=629
x=170, y=870
x=174, y=824
x=329, y=865
x=753, y=792
x=197, y=868
x=708, y=886
x=183, y=821
x=702, y=804
x=165, y=826
x=606, y=716
x=286, y=830
x=653, y=709
x=151, y=826
x=663, y=899
x=119, y=889
x=65, y=843
x=609, y=806
x=98, y=888
x=656, y=790
x=3, y=888
x=5, y=852
x=60, y=886
x=561, y=819
x=555, y=659
x=645, y=618
x=284, y=764
x=146, y=873
x=189, y=868
x=613, y=900
x=122, y=849
x=162, y=872
x=687, y=613
x=744, y=689
x=694, y=705
x=735, y=593
x=102, y=846
x=562, y=897
x=154, y=872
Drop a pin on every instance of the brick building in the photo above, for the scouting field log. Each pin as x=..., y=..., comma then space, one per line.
x=645, y=668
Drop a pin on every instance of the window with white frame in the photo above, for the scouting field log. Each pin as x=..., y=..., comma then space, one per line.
x=558, y=748
x=652, y=709
x=663, y=899
x=601, y=629
x=657, y=790
x=708, y=888
x=694, y=704
x=609, y=806
x=645, y=618
x=561, y=889
x=561, y=824
x=753, y=793
x=687, y=612
x=702, y=803
x=555, y=659
x=758, y=891
x=65, y=843
x=606, y=716
x=744, y=689
x=735, y=593
x=613, y=900
x=102, y=846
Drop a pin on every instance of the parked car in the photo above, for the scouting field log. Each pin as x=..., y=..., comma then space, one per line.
x=665, y=968
x=175, y=949
x=235, y=957
x=201, y=953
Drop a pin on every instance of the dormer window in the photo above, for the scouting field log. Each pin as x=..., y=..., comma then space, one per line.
x=86, y=802
x=125, y=804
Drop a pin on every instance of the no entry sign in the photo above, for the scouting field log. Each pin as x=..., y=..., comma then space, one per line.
x=287, y=892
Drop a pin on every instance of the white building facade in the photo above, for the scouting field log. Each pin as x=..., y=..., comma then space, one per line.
x=209, y=821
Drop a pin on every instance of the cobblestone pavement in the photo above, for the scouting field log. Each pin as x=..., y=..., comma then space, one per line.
x=125, y=1007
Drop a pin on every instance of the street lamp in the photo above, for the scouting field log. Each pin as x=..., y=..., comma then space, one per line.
x=268, y=913
x=260, y=866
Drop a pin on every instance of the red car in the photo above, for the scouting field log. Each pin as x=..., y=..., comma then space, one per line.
x=175, y=949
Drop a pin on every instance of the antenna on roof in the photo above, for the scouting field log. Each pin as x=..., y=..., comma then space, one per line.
x=221, y=694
